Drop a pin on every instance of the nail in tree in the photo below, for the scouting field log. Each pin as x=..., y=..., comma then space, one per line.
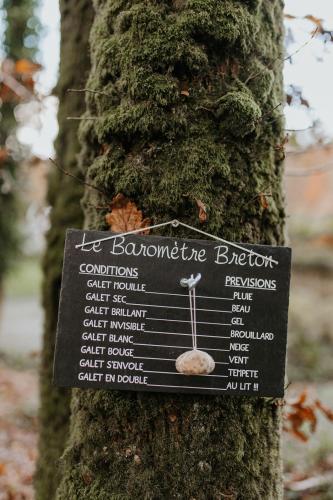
x=64, y=195
x=186, y=112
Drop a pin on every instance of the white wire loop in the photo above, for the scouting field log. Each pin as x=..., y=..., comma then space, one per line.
x=194, y=318
x=176, y=223
x=191, y=283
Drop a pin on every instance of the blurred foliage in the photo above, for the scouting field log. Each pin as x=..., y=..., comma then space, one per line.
x=22, y=29
x=310, y=335
x=25, y=279
x=20, y=41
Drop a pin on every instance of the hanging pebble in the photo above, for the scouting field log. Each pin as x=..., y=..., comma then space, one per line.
x=195, y=362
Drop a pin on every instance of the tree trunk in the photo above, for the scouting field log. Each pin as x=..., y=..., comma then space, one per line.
x=191, y=114
x=64, y=196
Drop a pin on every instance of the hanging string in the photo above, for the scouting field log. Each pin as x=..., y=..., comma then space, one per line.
x=194, y=332
x=176, y=223
x=193, y=314
x=135, y=231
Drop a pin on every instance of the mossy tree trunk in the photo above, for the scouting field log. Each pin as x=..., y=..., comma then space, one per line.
x=187, y=111
x=64, y=196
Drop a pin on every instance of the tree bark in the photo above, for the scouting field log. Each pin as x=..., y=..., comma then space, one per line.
x=191, y=113
x=64, y=196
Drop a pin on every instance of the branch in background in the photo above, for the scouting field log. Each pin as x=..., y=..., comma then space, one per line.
x=311, y=149
x=310, y=171
x=83, y=118
x=89, y=90
x=81, y=181
x=302, y=46
x=269, y=113
x=310, y=483
x=270, y=66
x=98, y=207
x=16, y=86
x=299, y=129
x=315, y=20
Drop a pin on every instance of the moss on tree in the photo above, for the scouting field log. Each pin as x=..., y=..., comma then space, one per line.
x=64, y=196
x=190, y=113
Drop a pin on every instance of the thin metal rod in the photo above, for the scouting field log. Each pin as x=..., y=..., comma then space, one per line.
x=155, y=226
x=227, y=242
x=176, y=223
x=194, y=318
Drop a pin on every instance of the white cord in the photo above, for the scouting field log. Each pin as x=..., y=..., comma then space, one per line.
x=191, y=294
x=176, y=223
x=227, y=242
x=194, y=320
x=142, y=229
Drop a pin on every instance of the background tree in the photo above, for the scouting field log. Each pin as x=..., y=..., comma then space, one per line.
x=187, y=111
x=19, y=47
x=64, y=196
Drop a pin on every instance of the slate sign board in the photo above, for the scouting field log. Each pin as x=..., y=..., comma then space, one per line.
x=124, y=318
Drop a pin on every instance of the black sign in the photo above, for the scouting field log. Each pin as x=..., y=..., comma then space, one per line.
x=125, y=318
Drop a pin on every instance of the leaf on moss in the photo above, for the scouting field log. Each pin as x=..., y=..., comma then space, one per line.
x=125, y=216
x=3, y=154
x=202, y=211
x=104, y=149
x=263, y=200
x=184, y=88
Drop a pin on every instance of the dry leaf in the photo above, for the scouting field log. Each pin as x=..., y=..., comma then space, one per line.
x=125, y=216
x=17, y=79
x=324, y=240
x=315, y=20
x=202, y=211
x=305, y=102
x=184, y=88
x=263, y=200
x=318, y=23
x=302, y=411
x=235, y=69
x=325, y=410
x=3, y=154
x=301, y=399
x=289, y=99
x=289, y=16
x=26, y=67
x=104, y=149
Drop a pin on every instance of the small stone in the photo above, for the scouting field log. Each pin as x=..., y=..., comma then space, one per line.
x=205, y=466
x=195, y=362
